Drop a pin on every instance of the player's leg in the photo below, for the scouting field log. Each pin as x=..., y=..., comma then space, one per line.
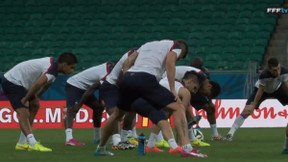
x=127, y=134
x=210, y=110
x=73, y=96
x=285, y=148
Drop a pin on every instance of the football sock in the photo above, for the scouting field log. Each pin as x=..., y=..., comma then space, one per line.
x=159, y=137
x=191, y=135
x=286, y=143
x=214, y=130
x=172, y=143
x=187, y=147
x=134, y=133
x=31, y=139
x=68, y=133
x=22, y=138
x=97, y=133
x=237, y=124
x=151, y=140
x=125, y=134
x=116, y=139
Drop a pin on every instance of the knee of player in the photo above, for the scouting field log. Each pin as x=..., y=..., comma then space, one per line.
x=246, y=112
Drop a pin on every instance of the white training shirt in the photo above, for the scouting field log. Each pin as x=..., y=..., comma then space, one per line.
x=88, y=77
x=27, y=72
x=113, y=76
x=152, y=57
x=181, y=70
x=164, y=82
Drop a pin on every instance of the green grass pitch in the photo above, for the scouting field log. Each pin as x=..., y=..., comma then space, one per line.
x=251, y=145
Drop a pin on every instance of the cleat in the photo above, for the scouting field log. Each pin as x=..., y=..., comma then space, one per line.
x=95, y=142
x=162, y=144
x=228, y=137
x=153, y=149
x=124, y=146
x=39, y=147
x=132, y=140
x=19, y=146
x=218, y=138
x=176, y=150
x=193, y=153
x=284, y=151
x=102, y=152
x=198, y=142
x=73, y=142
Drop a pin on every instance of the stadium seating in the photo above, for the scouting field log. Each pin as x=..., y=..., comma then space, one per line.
x=222, y=31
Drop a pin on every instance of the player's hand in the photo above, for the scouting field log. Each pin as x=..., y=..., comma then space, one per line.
x=177, y=98
x=25, y=103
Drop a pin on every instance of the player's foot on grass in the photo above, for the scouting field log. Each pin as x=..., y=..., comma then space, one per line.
x=102, y=152
x=228, y=137
x=176, y=150
x=284, y=151
x=24, y=146
x=218, y=138
x=73, y=142
x=132, y=140
x=124, y=146
x=162, y=144
x=198, y=142
x=39, y=147
x=96, y=142
x=193, y=153
x=153, y=149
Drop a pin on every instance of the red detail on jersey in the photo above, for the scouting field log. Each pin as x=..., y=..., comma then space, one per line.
x=107, y=71
x=174, y=44
x=51, y=65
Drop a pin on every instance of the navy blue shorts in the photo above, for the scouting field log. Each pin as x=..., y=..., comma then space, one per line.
x=14, y=93
x=110, y=94
x=136, y=85
x=198, y=101
x=280, y=95
x=74, y=94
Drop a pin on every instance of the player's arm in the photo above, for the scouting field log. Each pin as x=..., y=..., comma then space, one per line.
x=43, y=89
x=129, y=61
x=34, y=88
x=170, y=69
x=185, y=97
x=259, y=94
x=89, y=92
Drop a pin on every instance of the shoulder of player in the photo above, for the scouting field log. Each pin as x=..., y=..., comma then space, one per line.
x=284, y=70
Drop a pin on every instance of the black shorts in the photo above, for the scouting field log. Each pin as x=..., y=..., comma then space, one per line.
x=280, y=95
x=14, y=93
x=198, y=101
x=136, y=85
x=110, y=94
x=74, y=94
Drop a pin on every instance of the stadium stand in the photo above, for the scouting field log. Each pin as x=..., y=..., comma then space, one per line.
x=102, y=30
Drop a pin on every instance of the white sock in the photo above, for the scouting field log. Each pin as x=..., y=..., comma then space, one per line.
x=172, y=143
x=286, y=143
x=97, y=133
x=191, y=135
x=68, y=133
x=152, y=139
x=116, y=139
x=31, y=139
x=237, y=124
x=22, y=138
x=159, y=137
x=187, y=147
x=214, y=130
x=125, y=134
x=134, y=133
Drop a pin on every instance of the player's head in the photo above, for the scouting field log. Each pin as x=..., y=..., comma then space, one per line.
x=184, y=48
x=197, y=62
x=191, y=81
x=210, y=89
x=67, y=62
x=274, y=67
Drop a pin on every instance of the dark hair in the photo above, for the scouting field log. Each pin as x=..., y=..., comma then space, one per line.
x=191, y=75
x=68, y=57
x=197, y=62
x=216, y=89
x=183, y=43
x=273, y=62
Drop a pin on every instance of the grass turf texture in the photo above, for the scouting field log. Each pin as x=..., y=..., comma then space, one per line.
x=248, y=145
